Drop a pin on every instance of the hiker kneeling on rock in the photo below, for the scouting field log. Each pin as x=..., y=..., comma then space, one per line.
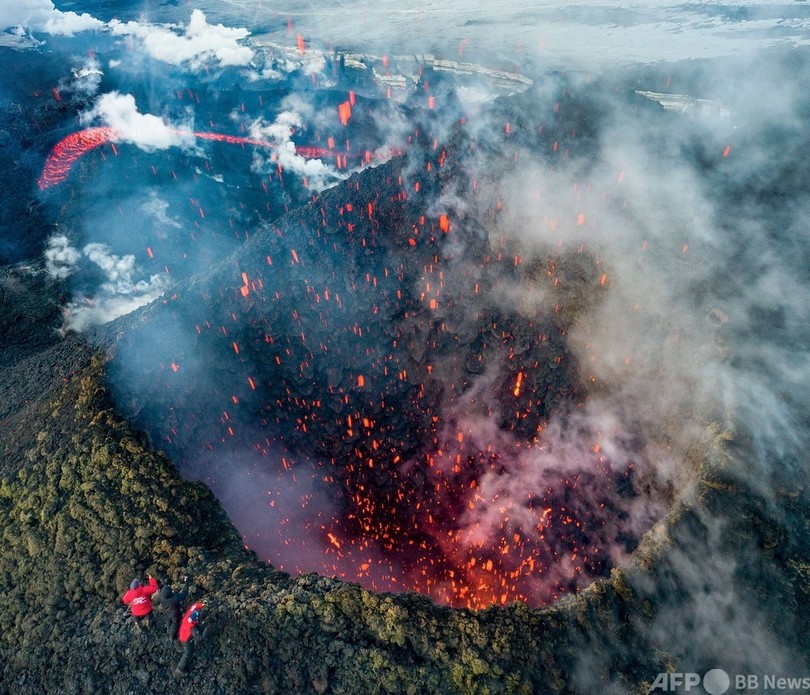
x=190, y=633
x=139, y=600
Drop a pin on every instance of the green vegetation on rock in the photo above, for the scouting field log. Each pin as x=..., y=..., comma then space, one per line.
x=88, y=506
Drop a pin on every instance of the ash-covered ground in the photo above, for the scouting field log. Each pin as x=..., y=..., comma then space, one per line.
x=428, y=325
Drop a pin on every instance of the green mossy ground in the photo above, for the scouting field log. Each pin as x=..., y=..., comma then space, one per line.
x=85, y=506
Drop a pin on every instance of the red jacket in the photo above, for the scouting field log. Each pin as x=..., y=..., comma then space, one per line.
x=184, y=635
x=139, y=599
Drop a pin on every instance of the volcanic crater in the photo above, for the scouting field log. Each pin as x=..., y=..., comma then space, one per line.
x=356, y=359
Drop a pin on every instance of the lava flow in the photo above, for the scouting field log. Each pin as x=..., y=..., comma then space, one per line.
x=68, y=150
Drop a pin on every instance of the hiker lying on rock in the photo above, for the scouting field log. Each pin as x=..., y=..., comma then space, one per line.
x=171, y=602
x=139, y=600
x=190, y=633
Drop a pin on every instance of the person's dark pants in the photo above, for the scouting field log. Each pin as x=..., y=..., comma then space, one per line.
x=174, y=623
x=188, y=649
x=188, y=653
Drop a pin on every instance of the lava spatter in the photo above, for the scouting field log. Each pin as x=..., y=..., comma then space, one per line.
x=356, y=333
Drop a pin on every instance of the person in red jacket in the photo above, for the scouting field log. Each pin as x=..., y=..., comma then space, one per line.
x=189, y=634
x=139, y=600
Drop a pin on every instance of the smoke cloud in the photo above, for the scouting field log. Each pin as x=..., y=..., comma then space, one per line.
x=157, y=208
x=198, y=44
x=60, y=257
x=85, y=80
x=120, y=292
x=147, y=131
x=315, y=172
x=704, y=320
x=42, y=16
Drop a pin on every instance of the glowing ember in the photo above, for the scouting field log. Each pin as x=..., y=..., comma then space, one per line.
x=345, y=112
x=334, y=367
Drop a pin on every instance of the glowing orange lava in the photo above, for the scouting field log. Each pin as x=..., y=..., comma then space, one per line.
x=68, y=150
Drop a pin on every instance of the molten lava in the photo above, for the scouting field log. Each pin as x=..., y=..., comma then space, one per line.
x=68, y=150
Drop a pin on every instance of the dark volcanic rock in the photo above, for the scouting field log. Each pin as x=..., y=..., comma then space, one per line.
x=86, y=503
x=89, y=506
x=92, y=507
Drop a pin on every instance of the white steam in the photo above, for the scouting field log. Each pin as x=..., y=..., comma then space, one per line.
x=42, y=16
x=144, y=130
x=87, y=79
x=157, y=208
x=317, y=174
x=60, y=257
x=195, y=45
x=123, y=290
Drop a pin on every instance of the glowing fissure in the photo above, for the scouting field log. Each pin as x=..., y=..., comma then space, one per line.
x=68, y=150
